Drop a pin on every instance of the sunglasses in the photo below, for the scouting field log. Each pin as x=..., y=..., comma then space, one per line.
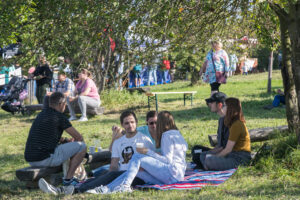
x=152, y=123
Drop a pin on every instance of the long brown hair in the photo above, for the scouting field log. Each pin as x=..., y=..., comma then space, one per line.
x=234, y=111
x=165, y=122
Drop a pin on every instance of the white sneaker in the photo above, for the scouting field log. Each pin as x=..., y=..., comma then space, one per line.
x=122, y=188
x=50, y=189
x=99, y=190
x=83, y=119
x=72, y=118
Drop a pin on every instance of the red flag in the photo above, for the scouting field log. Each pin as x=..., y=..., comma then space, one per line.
x=112, y=44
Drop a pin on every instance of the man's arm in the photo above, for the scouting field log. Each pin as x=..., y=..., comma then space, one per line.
x=74, y=133
x=114, y=164
x=117, y=133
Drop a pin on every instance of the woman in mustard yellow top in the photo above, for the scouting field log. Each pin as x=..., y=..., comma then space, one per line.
x=238, y=148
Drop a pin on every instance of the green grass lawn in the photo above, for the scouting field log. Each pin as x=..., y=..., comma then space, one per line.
x=272, y=178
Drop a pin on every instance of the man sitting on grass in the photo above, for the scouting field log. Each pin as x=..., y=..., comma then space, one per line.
x=63, y=85
x=123, y=149
x=216, y=104
x=278, y=99
x=148, y=130
x=43, y=146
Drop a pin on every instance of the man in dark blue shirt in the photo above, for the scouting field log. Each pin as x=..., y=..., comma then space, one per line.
x=43, y=148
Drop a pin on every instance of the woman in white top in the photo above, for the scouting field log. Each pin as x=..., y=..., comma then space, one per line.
x=167, y=168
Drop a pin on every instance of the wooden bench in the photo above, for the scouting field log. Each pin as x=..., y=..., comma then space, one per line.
x=256, y=135
x=154, y=96
x=31, y=175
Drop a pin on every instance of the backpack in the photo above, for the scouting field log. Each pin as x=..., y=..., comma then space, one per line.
x=196, y=152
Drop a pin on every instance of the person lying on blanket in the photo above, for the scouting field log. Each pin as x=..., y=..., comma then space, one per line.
x=123, y=150
x=167, y=168
x=238, y=147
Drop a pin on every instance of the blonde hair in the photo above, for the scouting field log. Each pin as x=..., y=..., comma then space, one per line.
x=219, y=43
x=165, y=122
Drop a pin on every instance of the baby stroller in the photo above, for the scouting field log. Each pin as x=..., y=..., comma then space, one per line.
x=13, y=94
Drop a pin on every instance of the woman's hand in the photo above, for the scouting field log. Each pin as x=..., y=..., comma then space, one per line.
x=142, y=150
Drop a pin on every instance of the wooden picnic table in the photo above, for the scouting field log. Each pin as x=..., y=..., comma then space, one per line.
x=154, y=96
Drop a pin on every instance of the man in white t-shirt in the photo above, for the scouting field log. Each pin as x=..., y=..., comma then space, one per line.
x=124, y=147
x=122, y=150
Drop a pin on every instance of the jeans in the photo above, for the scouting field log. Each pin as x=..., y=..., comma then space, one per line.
x=278, y=99
x=163, y=77
x=218, y=163
x=152, y=73
x=155, y=172
x=41, y=92
x=83, y=102
x=104, y=180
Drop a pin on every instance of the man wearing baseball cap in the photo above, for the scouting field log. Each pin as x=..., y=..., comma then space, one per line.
x=216, y=104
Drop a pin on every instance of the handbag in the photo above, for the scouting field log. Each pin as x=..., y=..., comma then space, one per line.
x=220, y=76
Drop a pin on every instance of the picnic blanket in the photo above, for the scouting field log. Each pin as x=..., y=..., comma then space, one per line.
x=195, y=179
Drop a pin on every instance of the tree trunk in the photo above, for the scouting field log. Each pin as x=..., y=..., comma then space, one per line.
x=288, y=78
x=294, y=33
x=257, y=135
x=195, y=76
x=270, y=69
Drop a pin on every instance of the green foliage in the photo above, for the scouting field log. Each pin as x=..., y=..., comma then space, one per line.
x=262, y=54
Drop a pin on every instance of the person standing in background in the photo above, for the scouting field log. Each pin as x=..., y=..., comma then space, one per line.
x=43, y=76
x=233, y=60
x=216, y=67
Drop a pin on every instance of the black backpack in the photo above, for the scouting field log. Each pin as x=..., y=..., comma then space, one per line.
x=196, y=152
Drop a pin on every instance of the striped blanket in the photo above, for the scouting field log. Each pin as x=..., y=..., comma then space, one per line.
x=195, y=179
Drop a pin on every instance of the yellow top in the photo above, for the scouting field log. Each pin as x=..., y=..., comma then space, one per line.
x=239, y=134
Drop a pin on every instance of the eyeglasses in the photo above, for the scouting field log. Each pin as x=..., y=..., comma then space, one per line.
x=152, y=123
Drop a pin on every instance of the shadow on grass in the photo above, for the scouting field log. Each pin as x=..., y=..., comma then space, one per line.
x=272, y=189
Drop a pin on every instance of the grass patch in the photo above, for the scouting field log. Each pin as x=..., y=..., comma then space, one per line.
x=276, y=176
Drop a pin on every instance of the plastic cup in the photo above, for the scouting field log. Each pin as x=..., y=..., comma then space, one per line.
x=139, y=145
x=92, y=149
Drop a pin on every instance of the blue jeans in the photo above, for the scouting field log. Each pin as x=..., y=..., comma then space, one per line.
x=155, y=172
x=163, y=77
x=278, y=99
x=152, y=73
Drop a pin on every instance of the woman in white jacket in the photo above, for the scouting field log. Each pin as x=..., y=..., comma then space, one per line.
x=167, y=168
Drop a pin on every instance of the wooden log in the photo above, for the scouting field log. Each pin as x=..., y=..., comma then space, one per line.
x=34, y=107
x=141, y=90
x=89, y=110
x=256, y=135
x=53, y=179
x=35, y=173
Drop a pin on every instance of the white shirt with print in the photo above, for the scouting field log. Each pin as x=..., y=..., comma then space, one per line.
x=124, y=148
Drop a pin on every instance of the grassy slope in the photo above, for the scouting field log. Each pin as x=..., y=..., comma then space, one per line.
x=195, y=123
